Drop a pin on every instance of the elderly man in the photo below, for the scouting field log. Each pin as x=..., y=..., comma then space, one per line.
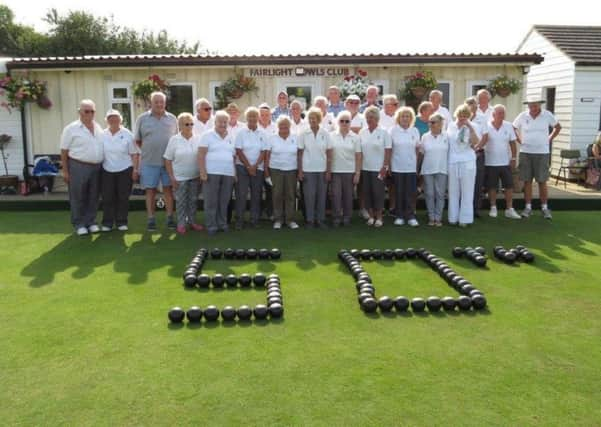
x=532, y=128
x=484, y=108
x=203, y=119
x=328, y=121
x=436, y=100
x=81, y=157
x=500, y=159
x=371, y=98
x=335, y=104
x=391, y=104
x=153, y=130
x=282, y=107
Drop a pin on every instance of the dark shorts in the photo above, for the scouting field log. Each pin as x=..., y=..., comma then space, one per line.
x=534, y=166
x=494, y=173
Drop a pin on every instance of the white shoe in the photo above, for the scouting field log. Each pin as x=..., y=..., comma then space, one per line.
x=364, y=214
x=277, y=225
x=493, y=212
x=526, y=212
x=547, y=213
x=511, y=213
x=82, y=231
x=94, y=228
x=292, y=225
x=371, y=222
x=123, y=228
x=378, y=223
x=399, y=221
x=105, y=228
x=413, y=222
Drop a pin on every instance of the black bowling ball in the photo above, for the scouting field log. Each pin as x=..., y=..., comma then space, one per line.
x=458, y=252
x=509, y=257
x=231, y=280
x=377, y=254
x=528, y=256
x=176, y=315
x=480, y=250
x=229, y=253
x=216, y=253
x=401, y=303
x=251, y=253
x=366, y=254
x=480, y=261
x=259, y=279
x=228, y=313
x=418, y=304
x=203, y=280
x=240, y=254
x=260, y=311
x=364, y=295
x=464, y=303
x=274, y=300
x=411, y=253
x=263, y=253
x=275, y=253
x=369, y=305
x=194, y=314
x=434, y=303
x=276, y=311
x=448, y=303
x=355, y=253
x=399, y=254
x=478, y=302
x=245, y=280
x=388, y=254
x=211, y=313
x=190, y=280
x=385, y=303
x=244, y=312
x=218, y=280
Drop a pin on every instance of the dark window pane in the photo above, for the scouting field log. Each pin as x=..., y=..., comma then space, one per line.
x=445, y=88
x=180, y=99
x=120, y=92
x=300, y=93
x=476, y=88
x=550, y=98
x=125, y=110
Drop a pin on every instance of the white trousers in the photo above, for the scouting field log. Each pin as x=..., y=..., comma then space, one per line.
x=462, y=178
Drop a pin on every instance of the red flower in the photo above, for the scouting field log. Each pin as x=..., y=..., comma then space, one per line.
x=362, y=73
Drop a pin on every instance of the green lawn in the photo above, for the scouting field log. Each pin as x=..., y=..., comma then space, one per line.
x=84, y=336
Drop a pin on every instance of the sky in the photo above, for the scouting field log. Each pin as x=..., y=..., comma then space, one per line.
x=332, y=26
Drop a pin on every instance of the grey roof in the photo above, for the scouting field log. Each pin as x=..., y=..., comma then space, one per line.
x=582, y=44
x=140, y=60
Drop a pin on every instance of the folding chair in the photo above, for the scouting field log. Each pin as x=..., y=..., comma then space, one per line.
x=577, y=167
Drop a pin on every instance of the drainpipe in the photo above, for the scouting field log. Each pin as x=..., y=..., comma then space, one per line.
x=24, y=136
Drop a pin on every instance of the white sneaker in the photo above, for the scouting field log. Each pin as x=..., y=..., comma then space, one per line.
x=493, y=212
x=292, y=225
x=82, y=231
x=105, y=228
x=364, y=214
x=378, y=223
x=399, y=221
x=277, y=225
x=526, y=212
x=371, y=222
x=511, y=213
x=547, y=213
x=123, y=228
x=413, y=222
x=94, y=228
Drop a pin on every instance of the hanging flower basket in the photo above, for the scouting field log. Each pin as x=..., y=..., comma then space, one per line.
x=418, y=91
x=504, y=86
x=504, y=92
x=143, y=89
x=234, y=88
x=418, y=84
x=355, y=84
x=19, y=89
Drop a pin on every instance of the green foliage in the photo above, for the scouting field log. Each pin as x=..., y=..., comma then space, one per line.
x=504, y=83
x=20, y=89
x=234, y=88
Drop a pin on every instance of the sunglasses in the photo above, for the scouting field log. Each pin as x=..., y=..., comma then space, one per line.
x=207, y=108
x=344, y=121
x=188, y=124
x=353, y=102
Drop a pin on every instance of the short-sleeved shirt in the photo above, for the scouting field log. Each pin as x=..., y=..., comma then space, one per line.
x=234, y=130
x=278, y=111
x=535, y=132
x=269, y=130
x=497, y=151
x=154, y=132
x=336, y=108
x=421, y=126
x=251, y=142
x=460, y=149
x=200, y=128
x=344, y=149
x=386, y=122
x=448, y=118
x=373, y=145
x=404, y=145
x=328, y=123
x=358, y=121
x=435, y=149
x=284, y=152
x=183, y=154
x=118, y=149
x=314, y=148
x=220, y=154
x=82, y=144
x=296, y=128
x=486, y=115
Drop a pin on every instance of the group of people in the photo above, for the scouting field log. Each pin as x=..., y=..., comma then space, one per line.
x=333, y=150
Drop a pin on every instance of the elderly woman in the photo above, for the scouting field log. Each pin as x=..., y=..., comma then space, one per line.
x=281, y=164
x=234, y=125
x=405, y=139
x=463, y=139
x=328, y=121
x=434, y=147
x=391, y=104
x=376, y=147
x=424, y=111
x=297, y=123
x=119, y=169
x=250, y=143
x=216, y=159
x=181, y=162
x=357, y=119
x=315, y=168
x=346, y=169
x=480, y=123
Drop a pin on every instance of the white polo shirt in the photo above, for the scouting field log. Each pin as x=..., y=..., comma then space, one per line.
x=251, y=142
x=535, y=132
x=404, y=145
x=297, y=128
x=386, y=122
x=82, y=144
x=118, y=149
x=220, y=154
x=344, y=149
x=200, y=128
x=314, y=148
x=460, y=149
x=487, y=115
x=373, y=145
x=358, y=121
x=436, y=151
x=269, y=130
x=328, y=123
x=497, y=151
x=183, y=154
x=448, y=118
x=233, y=130
x=284, y=152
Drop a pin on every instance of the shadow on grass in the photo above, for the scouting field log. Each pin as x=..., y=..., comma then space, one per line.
x=423, y=314
x=228, y=324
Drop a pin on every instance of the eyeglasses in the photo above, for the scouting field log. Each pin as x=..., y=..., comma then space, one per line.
x=188, y=124
x=433, y=122
x=207, y=108
x=353, y=102
x=344, y=121
x=88, y=111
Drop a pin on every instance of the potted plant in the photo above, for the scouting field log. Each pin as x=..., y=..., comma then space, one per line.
x=6, y=180
x=143, y=89
x=234, y=88
x=19, y=89
x=504, y=86
x=355, y=84
x=418, y=84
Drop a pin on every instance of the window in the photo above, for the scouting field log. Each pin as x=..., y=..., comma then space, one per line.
x=550, y=98
x=213, y=91
x=300, y=89
x=445, y=87
x=120, y=98
x=181, y=98
x=474, y=86
x=302, y=94
x=382, y=87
